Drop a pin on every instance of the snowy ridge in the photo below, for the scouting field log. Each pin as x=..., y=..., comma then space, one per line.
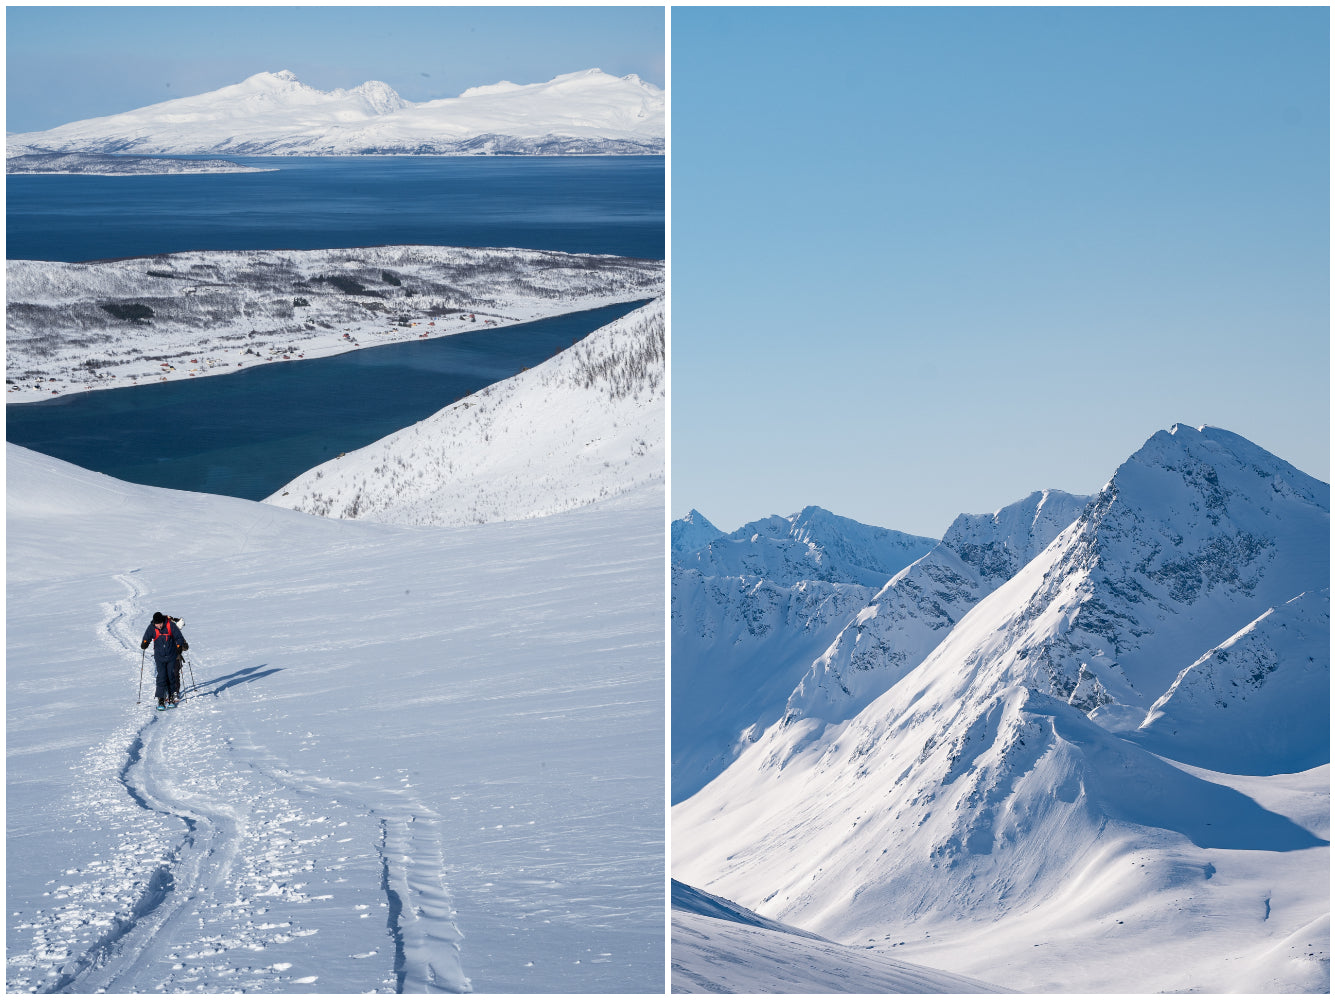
x=919, y=607
x=185, y=315
x=994, y=811
x=692, y=532
x=588, y=112
x=812, y=544
x=584, y=426
x=290, y=827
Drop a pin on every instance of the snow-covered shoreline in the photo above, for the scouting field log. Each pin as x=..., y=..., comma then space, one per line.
x=109, y=324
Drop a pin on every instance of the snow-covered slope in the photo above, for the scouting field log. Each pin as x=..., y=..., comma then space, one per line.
x=588, y=112
x=416, y=759
x=750, y=611
x=990, y=811
x=584, y=426
x=174, y=316
x=720, y=947
x=922, y=603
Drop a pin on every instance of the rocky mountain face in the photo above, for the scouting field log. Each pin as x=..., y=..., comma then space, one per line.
x=1007, y=781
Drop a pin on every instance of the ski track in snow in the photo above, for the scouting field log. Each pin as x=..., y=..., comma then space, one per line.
x=213, y=832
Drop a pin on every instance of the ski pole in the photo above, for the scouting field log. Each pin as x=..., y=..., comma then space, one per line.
x=140, y=700
x=194, y=685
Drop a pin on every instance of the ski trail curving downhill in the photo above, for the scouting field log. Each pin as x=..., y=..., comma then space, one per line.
x=158, y=918
x=422, y=920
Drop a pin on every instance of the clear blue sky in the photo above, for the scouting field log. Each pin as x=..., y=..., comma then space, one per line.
x=69, y=63
x=928, y=260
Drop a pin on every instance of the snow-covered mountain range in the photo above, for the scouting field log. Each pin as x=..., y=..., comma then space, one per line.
x=584, y=426
x=966, y=774
x=269, y=114
x=751, y=609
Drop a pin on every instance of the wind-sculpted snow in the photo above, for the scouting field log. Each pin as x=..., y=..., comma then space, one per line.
x=174, y=316
x=408, y=760
x=584, y=426
x=268, y=114
x=996, y=809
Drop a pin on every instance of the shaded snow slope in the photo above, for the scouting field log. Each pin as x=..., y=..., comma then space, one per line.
x=989, y=809
x=719, y=947
x=173, y=316
x=750, y=611
x=588, y=112
x=583, y=426
x=415, y=760
x=1256, y=704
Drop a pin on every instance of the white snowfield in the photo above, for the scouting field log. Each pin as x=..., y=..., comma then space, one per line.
x=410, y=759
x=719, y=947
x=587, y=112
x=997, y=811
x=585, y=425
x=105, y=324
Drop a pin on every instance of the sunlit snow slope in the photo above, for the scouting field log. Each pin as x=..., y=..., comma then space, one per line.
x=414, y=759
x=583, y=426
x=997, y=811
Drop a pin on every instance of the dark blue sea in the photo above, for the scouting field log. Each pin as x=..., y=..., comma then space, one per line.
x=248, y=433
x=580, y=204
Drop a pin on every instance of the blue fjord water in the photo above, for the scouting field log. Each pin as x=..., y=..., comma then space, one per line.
x=247, y=433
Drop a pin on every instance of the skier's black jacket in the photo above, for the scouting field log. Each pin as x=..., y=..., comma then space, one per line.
x=168, y=641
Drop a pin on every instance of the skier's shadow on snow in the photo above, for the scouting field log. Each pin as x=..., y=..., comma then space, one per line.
x=238, y=677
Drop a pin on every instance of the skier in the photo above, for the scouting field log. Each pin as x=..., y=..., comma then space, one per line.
x=168, y=645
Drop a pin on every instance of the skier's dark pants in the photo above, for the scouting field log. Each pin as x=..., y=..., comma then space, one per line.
x=169, y=677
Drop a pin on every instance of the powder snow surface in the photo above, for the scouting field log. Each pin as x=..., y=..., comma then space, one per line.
x=409, y=759
x=586, y=425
